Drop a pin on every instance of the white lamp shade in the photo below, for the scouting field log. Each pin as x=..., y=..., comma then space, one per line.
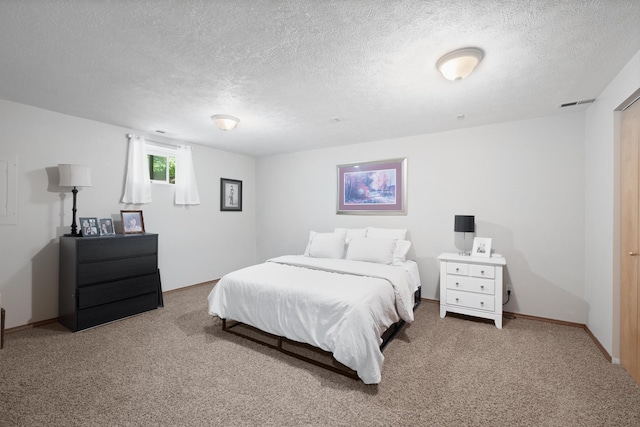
x=460, y=63
x=225, y=121
x=74, y=175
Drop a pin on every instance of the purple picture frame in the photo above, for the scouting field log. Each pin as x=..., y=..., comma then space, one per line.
x=378, y=188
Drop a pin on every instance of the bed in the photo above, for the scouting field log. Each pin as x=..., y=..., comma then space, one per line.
x=340, y=296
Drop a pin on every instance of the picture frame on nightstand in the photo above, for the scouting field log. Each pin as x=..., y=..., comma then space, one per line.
x=481, y=247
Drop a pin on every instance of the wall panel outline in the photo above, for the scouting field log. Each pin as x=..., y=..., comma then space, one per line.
x=8, y=189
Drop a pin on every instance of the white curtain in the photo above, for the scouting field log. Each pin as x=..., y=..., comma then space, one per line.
x=186, y=191
x=137, y=188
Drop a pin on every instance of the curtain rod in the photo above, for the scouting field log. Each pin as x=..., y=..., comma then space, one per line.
x=166, y=144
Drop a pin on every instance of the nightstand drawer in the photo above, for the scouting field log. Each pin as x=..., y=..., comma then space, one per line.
x=482, y=271
x=471, y=300
x=471, y=284
x=458, y=268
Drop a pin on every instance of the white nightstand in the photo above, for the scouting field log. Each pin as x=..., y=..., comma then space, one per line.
x=471, y=285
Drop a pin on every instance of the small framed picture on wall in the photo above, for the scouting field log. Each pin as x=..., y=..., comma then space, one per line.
x=481, y=247
x=230, y=195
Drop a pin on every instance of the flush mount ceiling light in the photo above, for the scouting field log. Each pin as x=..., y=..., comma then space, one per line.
x=225, y=121
x=460, y=63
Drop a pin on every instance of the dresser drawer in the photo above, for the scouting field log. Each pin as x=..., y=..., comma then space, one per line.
x=98, y=315
x=105, y=271
x=90, y=296
x=102, y=248
x=471, y=300
x=457, y=268
x=471, y=284
x=487, y=271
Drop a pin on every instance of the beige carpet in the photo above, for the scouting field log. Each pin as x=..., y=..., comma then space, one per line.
x=175, y=367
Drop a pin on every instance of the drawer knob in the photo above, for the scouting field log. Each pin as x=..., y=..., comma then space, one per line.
x=482, y=287
x=457, y=299
x=633, y=253
x=482, y=303
x=481, y=271
x=457, y=284
x=457, y=269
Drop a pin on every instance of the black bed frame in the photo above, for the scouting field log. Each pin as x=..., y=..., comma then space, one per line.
x=337, y=367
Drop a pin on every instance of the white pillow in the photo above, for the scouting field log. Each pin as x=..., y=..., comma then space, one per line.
x=387, y=233
x=351, y=232
x=342, y=232
x=325, y=245
x=313, y=233
x=401, y=251
x=371, y=250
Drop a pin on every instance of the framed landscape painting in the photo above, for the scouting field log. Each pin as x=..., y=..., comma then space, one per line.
x=378, y=188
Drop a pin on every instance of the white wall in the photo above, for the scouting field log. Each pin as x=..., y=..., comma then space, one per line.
x=534, y=187
x=602, y=280
x=196, y=244
x=523, y=181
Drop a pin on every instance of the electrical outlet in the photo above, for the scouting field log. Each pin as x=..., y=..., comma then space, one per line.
x=509, y=288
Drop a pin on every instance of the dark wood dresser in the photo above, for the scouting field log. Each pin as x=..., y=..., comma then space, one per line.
x=107, y=278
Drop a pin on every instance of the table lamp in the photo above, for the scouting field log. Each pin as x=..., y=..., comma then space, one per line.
x=74, y=176
x=464, y=224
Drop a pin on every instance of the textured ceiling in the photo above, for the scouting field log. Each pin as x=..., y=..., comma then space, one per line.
x=303, y=74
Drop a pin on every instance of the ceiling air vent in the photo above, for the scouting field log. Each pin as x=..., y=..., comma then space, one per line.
x=165, y=132
x=586, y=101
x=571, y=104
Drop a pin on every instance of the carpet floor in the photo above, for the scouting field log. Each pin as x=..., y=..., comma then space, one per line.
x=175, y=367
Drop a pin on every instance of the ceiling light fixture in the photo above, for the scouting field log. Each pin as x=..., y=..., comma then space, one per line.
x=460, y=63
x=225, y=121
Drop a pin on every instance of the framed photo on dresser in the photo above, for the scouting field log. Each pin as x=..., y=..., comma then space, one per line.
x=132, y=222
x=89, y=227
x=106, y=227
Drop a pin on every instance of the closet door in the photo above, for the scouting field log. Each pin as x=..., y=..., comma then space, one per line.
x=629, y=241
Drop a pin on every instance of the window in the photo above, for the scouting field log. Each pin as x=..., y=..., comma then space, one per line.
x=162, y=164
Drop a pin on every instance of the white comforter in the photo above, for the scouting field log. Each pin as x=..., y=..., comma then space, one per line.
x=337, y=305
